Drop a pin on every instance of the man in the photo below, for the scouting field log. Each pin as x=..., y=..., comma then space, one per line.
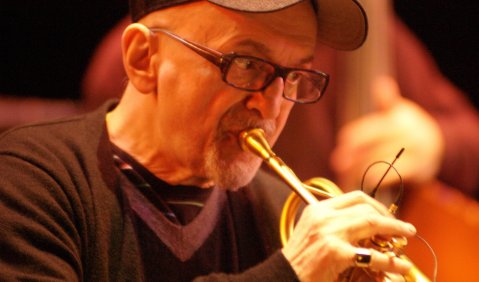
x=419, y=110
x=153, y=192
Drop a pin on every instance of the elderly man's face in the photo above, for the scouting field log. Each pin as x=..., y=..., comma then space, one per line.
x=199, y=113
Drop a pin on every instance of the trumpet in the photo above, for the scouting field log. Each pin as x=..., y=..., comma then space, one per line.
x=253, y=141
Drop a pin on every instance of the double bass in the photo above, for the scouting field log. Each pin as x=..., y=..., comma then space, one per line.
x=447, y=219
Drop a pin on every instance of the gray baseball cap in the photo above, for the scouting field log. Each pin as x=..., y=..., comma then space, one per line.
x=342, y=24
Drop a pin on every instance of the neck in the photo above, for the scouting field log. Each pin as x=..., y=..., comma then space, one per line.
x=132, y=127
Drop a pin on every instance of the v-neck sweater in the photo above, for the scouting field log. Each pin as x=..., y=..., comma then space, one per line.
x=64, y=215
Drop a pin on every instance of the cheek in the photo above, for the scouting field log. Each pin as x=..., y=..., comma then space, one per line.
x=191, y=98
x=184, y=86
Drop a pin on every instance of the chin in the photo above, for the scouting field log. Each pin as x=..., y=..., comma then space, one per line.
x=226, y=164
x=232, y=174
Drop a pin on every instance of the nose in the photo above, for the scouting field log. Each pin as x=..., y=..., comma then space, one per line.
x=268, y=102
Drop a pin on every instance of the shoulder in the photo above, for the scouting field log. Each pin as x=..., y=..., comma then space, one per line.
x=57, y=141
x=67, y=153
x=71, y=129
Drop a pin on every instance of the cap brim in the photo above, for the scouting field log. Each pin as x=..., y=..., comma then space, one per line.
x=255, y=5
x=342, y=24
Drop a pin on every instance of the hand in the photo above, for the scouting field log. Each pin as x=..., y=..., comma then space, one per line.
x=324, y=241
x=378, y=136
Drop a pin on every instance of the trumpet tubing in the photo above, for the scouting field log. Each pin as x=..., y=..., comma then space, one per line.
x=253, y=141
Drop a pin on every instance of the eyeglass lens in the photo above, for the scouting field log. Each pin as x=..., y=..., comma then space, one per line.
x=251, y=74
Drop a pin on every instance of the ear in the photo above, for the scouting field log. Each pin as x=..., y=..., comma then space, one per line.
x=138, y=47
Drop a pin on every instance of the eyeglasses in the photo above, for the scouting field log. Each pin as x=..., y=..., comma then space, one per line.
x=255, y=74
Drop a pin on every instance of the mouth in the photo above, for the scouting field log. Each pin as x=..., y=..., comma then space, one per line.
x=236, y=121
x=232, y=138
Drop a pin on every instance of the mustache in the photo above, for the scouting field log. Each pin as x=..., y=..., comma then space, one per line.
x=239, y=118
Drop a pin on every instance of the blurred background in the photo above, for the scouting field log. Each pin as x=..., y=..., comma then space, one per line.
x=46, y=45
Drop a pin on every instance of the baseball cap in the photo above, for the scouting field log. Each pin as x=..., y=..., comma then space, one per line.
x=342, y=24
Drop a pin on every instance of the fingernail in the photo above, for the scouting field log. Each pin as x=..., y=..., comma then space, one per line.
x=411, y=228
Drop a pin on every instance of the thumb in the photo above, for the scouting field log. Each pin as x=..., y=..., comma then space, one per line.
x=385, y=92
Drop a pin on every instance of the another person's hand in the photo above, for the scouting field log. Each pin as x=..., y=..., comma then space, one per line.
x=378, y=136
x=324, y=242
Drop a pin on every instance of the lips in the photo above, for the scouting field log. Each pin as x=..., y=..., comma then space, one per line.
x=238, y=119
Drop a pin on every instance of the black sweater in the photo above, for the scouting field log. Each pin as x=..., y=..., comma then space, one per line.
x=62, y=213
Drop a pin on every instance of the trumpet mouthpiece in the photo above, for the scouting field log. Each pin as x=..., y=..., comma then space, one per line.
x=253, y=140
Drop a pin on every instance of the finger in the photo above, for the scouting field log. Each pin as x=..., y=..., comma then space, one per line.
x=386, y=262
x=389, y=262
x=357, y=222
x=353, y=224
x=355, y=198
x=363, y=227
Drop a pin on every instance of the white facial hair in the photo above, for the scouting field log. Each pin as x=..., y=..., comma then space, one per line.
x=234, y=172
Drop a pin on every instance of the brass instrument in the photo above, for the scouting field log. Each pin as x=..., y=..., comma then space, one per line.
x=253, y=141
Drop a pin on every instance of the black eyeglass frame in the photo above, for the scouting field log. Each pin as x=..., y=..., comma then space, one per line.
x=223, y=62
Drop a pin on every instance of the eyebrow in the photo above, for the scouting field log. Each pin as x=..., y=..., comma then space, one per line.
x=263, y=49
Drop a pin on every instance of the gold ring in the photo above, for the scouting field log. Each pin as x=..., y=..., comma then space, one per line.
x=362, y=257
